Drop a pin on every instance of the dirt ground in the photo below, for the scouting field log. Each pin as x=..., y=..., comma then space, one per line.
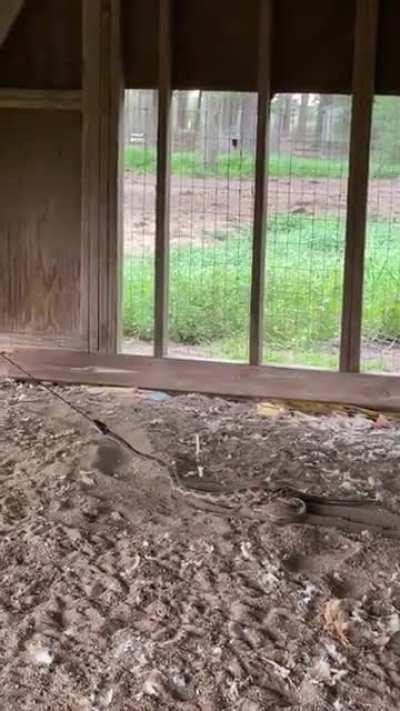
x=118, y=594
x=202, y=208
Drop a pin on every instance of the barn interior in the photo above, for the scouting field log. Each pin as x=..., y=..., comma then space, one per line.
x=199, y=355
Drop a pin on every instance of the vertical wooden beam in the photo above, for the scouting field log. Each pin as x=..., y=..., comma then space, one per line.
x=357, y=196
x=163, y=179
x=111, y=148
x=261, y=184
x=91, y=42
x=102, y=99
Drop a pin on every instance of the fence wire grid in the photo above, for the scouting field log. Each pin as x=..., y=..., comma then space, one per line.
x=212, y=203
x=381, y=305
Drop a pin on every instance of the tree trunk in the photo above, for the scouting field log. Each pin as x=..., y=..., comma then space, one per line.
x=286, y=116
x=181, y=110
x=152, y=122
x=281, y=120
x=210, y=129
x=197, y=118
x=301, y=130
x=248, y=127
x=324, y=102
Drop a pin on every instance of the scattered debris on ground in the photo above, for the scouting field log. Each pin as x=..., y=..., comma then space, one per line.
x=118, y=594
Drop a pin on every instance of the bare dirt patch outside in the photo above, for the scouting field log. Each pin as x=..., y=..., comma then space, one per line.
x=202, y=207
x=115, y=595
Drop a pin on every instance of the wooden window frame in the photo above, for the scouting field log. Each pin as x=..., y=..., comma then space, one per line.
x=101, y=102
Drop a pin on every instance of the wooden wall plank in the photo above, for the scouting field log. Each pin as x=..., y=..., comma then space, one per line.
x=180, y=375
x=163, y=179
x=91, y=40
x=261, y=183
x=357, y=197
x=40, y=215
x=75, y=342
x=48, y=100
x=111, y=146
x=102, y=112
x=9, y=11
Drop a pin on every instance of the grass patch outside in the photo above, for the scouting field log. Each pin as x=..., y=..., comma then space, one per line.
x=235, y=165
x=209, y=291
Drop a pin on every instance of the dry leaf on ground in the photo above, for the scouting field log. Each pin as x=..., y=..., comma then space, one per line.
x=334, y=620
x=270, y=409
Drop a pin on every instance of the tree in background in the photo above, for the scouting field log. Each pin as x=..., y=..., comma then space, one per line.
x=386, y=130
x=302, y=119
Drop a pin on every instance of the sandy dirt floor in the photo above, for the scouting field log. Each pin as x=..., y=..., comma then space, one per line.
x=202, y=208
x=116, y=593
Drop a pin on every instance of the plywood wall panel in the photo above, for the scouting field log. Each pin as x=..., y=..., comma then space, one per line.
x=43, y=49
x=40, y=214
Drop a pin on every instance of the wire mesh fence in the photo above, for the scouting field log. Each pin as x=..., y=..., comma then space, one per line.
x=212, y=194
x=139, y=186
x=381, y=305
x=212, y=204
x=308, y=167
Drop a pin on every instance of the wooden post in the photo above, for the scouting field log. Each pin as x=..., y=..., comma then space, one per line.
x=91, y=40
x=261, y=183
x=163, y=180
x=102, y=100
x=357, y=196
x=111, y=161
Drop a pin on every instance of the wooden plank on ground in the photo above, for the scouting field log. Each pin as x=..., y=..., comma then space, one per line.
x=163, y=179
x=48, y=100
x=236, y=380
x=261, y=183
x=357, y=198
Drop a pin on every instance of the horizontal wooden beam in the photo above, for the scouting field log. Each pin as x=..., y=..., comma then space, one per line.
x=42, y=341
x=49, y=100
x=378, y=392
x=9, y=11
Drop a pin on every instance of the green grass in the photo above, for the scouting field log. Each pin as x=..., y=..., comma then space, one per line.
x=209, y=291
x=189, y=163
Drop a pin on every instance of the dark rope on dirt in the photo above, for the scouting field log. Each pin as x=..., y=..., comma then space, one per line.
x=295, y=506
x=101, y=426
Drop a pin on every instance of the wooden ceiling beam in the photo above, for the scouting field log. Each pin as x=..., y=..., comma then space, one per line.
x=9, y=11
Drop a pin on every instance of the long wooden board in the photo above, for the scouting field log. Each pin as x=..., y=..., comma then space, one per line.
x=49, y=100
x=261, y=183
x=101, y=161
x=373, y=391
x=91, y=40
x=163, y=180
x=357, y=196
x=110, y=163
